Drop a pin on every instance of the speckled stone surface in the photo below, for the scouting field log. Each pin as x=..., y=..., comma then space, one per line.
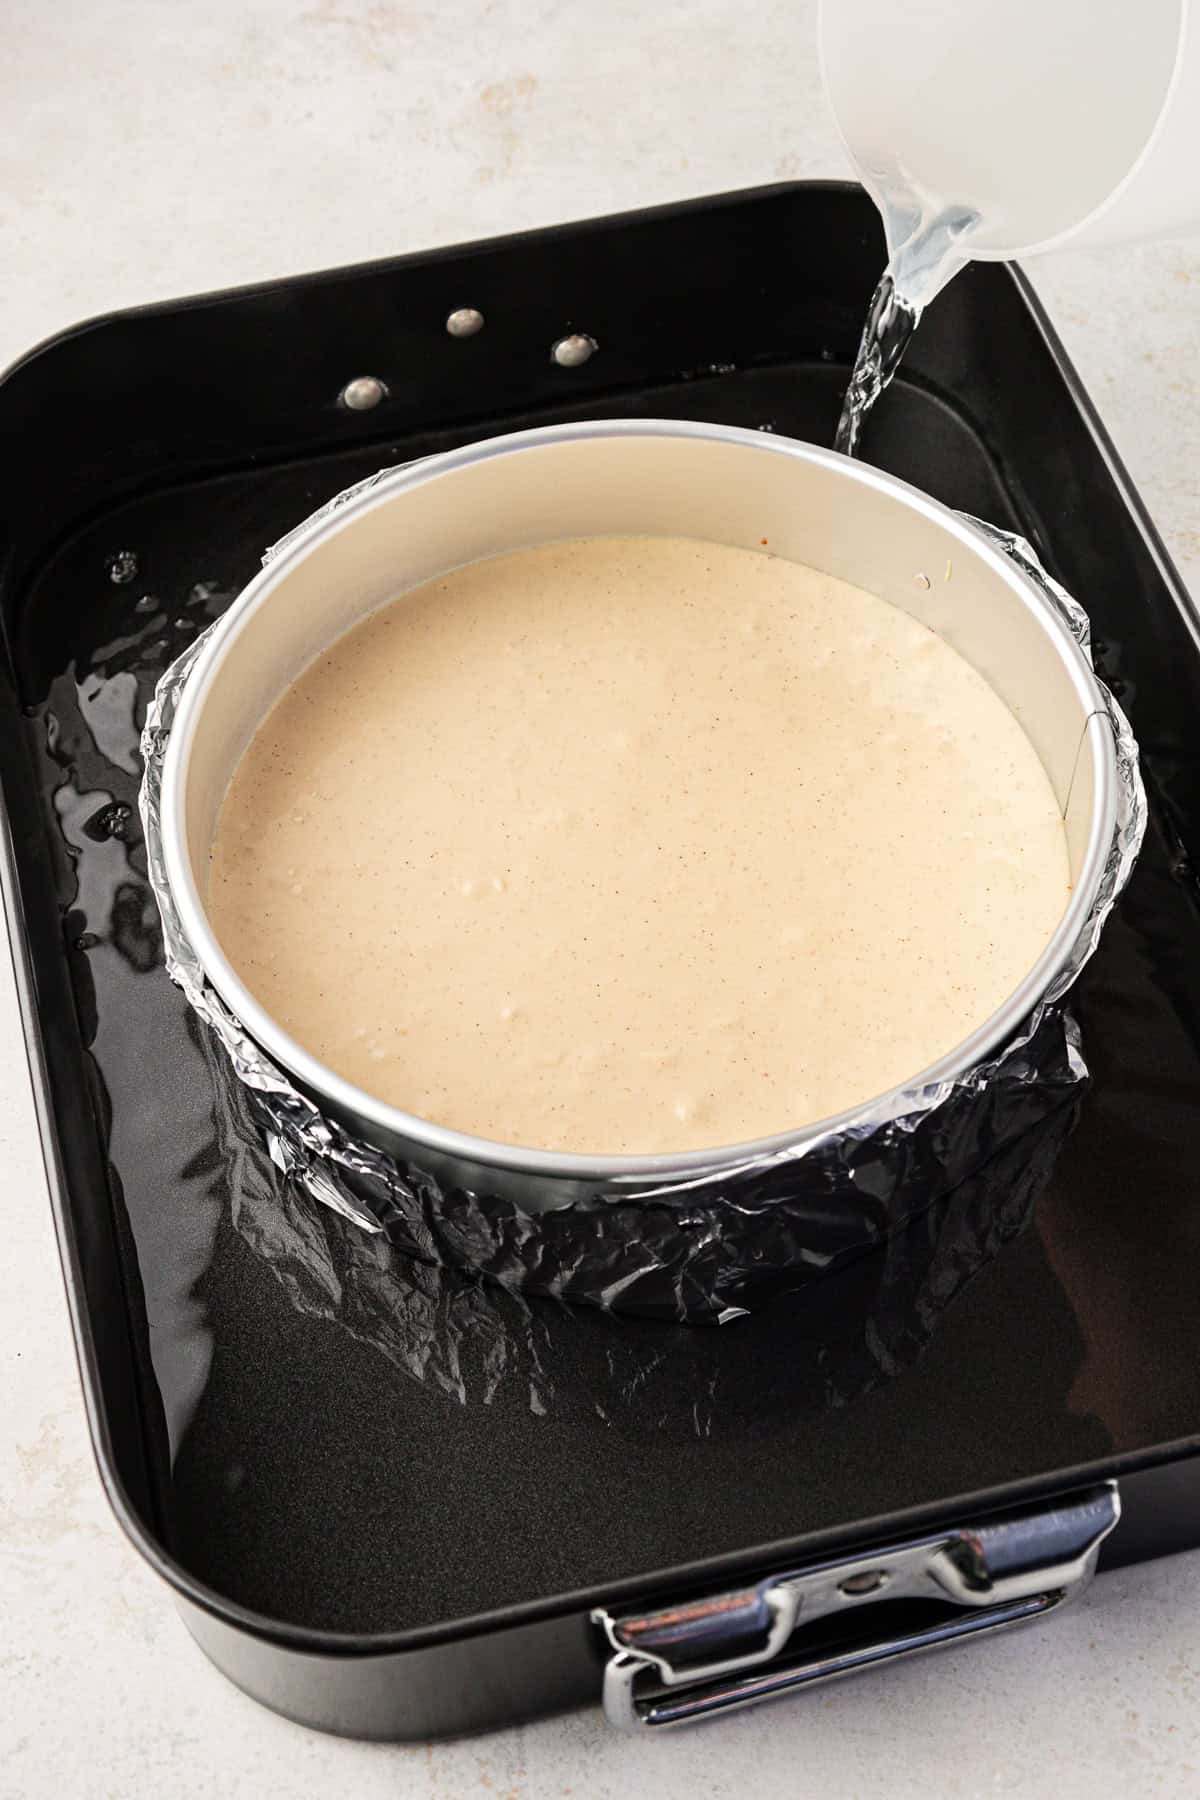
x=148, y=151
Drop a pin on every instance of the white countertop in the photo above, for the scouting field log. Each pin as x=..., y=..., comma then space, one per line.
x=149, y=150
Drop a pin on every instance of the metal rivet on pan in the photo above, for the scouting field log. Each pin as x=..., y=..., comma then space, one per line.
x=464, y=321
x=363, y=393
x=868, y=1582
x=571, y=352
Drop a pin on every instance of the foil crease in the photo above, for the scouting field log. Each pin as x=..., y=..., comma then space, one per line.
x=705, y=1247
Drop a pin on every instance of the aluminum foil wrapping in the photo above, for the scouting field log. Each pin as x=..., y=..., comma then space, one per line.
x=706, y=1247
x=470, y=1343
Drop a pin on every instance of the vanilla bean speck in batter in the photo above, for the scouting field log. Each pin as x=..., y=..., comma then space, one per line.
x=636, y=844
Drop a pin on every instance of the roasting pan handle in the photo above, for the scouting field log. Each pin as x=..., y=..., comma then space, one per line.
x=702, y=1657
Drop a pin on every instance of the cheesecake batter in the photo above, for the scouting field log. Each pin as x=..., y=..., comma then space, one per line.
x=636, y=844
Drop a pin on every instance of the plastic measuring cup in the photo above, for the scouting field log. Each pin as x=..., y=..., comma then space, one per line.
x=1000, y=128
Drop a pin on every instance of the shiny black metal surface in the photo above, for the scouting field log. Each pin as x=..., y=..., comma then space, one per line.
x=326, y=1446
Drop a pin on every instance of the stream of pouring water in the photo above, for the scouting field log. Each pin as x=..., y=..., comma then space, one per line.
x=891, y=321
x=925, y=261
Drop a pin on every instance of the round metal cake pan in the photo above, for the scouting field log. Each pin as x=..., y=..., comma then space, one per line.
x=669, y=478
